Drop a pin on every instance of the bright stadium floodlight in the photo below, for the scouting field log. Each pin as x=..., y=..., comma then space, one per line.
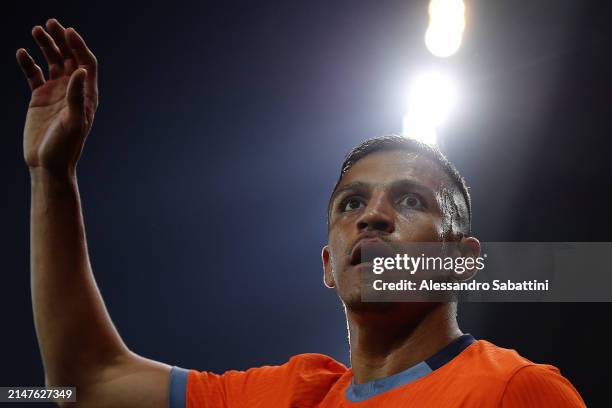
x=446, y=24
x=432, y=97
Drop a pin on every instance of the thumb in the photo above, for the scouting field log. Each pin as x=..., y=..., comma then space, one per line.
x=76, y=94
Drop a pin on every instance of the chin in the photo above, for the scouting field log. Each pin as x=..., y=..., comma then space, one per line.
x=405, y=311
x=354, y=304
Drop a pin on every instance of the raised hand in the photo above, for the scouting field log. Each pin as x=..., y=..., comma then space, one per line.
x=62, y=107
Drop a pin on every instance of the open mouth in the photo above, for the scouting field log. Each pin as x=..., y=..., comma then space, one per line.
x=366, y=250
x=359, y=256
x=356, y=255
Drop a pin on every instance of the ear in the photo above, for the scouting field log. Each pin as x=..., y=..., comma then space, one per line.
x=328, y=275
x=469, y=248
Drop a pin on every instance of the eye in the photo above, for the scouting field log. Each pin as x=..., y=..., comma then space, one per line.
x=350, y=204
x=412, y=201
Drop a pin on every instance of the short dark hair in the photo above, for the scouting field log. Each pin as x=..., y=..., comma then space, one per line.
x=398, y=142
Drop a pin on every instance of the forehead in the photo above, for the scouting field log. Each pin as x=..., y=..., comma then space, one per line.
x=390, y=166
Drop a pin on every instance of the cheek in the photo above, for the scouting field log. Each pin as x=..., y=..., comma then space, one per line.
x=342, y=223
x=338, y=242
x=339, y=250
x=421, y=228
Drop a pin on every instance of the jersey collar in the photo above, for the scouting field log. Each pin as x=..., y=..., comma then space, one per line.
x=361, y=392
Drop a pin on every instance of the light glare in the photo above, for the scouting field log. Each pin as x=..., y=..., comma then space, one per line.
x=446, y=24
x=432, y=97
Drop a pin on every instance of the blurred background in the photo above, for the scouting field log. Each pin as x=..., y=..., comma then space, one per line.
x=221, y=131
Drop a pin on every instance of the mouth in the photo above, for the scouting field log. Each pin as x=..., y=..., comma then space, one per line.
x=356, y=257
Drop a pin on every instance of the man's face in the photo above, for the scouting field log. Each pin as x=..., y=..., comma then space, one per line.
x=390, y=196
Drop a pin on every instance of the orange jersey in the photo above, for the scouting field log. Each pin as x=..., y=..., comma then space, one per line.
x=466, y=373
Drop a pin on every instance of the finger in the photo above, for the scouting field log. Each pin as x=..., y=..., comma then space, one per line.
x=76, y=96
x=50, y=51
x=32, y=72
x=86, y=59
x=57, y=32
x=83, y=55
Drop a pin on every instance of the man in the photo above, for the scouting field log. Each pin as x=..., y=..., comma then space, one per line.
x=391, y=190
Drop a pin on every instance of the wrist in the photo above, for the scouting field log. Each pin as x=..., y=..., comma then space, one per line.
x=40, y=175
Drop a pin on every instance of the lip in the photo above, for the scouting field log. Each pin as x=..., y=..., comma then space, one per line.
x=355, y=257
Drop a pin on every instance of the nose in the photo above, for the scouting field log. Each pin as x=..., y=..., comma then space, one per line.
x=378, y=216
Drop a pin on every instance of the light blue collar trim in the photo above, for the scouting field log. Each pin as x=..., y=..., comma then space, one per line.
x=361, y=392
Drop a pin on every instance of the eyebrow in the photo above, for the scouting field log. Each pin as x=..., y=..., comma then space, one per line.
x=356, y=185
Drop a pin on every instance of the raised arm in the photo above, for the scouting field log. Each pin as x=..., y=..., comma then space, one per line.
x=78, y=341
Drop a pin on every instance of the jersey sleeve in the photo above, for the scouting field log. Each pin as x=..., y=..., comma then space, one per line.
x=305, y=377
x=540, y=385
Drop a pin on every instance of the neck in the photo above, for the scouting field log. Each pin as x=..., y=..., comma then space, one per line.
x=384, y=343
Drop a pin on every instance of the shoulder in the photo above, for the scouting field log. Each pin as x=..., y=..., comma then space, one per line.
x=537, y=384
x=311, y=363
x=310, y=375
x=317, y=362
x=524, y=383
x=487, y=358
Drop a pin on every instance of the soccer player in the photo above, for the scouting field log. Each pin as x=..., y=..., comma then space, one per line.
x=390, y=190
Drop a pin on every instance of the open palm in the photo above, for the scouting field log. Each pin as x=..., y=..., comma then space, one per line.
x=62, y=108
